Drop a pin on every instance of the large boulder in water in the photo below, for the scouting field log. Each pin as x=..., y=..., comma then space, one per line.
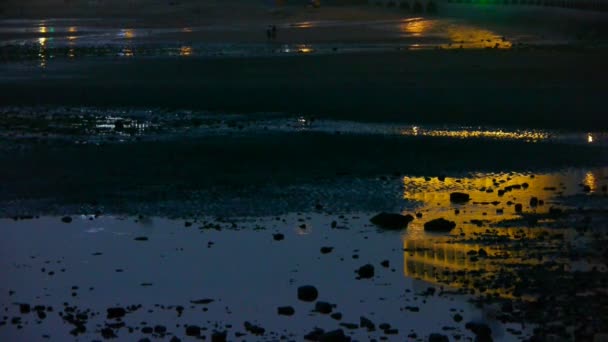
x=439, y=225
x=392, y=221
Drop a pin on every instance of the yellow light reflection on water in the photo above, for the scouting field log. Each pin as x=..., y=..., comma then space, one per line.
x=42, y=41
x=185, y=51
x=127, y=33
x=72, y=29
x=434, y=258
x=42, y=29
x=417, y=26
x=303, y=25
x=470, y=37
x=478, y=133
x=590, y=181
x=128, y=52
x=304, y=49
x=589, y=138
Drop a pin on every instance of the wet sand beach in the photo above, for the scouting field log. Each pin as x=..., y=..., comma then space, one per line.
x=169, y=172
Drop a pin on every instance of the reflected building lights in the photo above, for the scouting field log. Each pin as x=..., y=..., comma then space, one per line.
x=42, y=41
x=472, y=133
x=417, y=27
x=589, y=138
x=185, y=51
x=127, y=33
x=446, y=261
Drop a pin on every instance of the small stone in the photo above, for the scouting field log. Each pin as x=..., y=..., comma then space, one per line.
x=286, y=311
x=193, y=330
x=278, y=237
x=66, y=219
x=438, y=338
x=219, y=336
x=336, y=315
x=334, y=336
x=141, y=238
x=518, y=208
x=392, y=221
x=439, y=225
x=459, y=197
x=323, y=307
x=307, y=293
x=326, y=250
x=385, y=263
x=482, y=331
x=367, y=324
x=113, y=313
x=366, y=271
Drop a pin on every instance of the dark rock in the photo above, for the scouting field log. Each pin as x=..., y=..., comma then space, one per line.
x=334, y=224
x=193, y=330
x=336, y=315
x=438, y=338
x=219, y=336
x=323, y=307
x=439, y=225
x=159, y=329
x=367, y=324
x=334, y=336
x=457, y=318
x=108, y=333
x=314, y=335
x=116, y=313
x=66, y=219
x=141, y=238
x=384, y=326
x=202, y=301
x=24, y=308
x=349, y=326
x=286, y=311
x=586, y=188
x=459, y=197
x=307, y=293
x=147, y=330
x=326, y=250
x=519, y=208
x=254, y=329
x=385, y=263
x=482, y=332
x=533, y=202
x=482, y=253
x=278, y=237
x=366, y=271
x=391, y=331
x=392, y=221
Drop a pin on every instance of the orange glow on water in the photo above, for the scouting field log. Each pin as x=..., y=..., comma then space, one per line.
x=185, y=51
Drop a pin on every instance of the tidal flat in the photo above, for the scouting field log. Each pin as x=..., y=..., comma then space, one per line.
x=174, y=171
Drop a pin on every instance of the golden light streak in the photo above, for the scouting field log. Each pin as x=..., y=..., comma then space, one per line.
x=185, y=51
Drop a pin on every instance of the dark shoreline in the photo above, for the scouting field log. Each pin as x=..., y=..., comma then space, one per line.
x=541, y=88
